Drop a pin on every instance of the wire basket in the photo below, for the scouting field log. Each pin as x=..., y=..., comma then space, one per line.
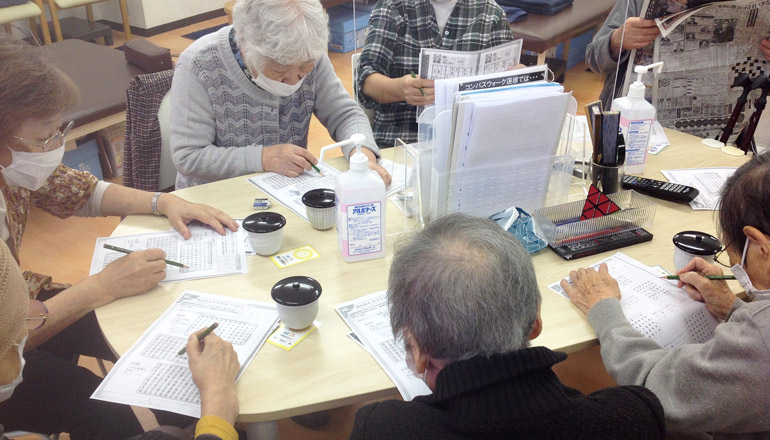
x=561, y=224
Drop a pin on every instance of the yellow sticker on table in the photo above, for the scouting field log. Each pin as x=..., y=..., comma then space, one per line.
x=287, y=338
x=294, y=256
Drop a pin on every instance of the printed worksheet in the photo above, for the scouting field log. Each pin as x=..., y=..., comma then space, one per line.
x=369, y=319
x=152, y=374
x=444, y=64
x=289, y=190
x=206, y=253
x=708, y=181
x=654, y=306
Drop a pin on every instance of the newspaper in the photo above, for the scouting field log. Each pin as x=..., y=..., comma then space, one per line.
x=704, y=45
x=444, y=64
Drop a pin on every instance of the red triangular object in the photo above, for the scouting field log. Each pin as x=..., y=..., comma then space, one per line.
x=597, y=205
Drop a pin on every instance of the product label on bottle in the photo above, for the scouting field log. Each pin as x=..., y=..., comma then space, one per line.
x=637, y=135
x=361, y=225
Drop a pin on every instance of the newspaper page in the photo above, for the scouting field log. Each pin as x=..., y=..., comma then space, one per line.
x=153, y=375
x=708, y=181
x=369, y=319
x=656, y=307
x=206, y=253
x=703, y=48
x=444, y=64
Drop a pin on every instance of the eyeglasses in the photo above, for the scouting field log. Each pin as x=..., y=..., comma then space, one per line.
x=52, y=143
x=720, y=256
x=37, y=315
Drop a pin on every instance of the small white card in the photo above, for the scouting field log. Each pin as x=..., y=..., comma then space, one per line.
x=294, y=256
x=287, y=338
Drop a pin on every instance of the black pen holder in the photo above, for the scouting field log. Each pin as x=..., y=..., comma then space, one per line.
x=607, y=178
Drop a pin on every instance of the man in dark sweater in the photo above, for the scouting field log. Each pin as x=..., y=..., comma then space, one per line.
x=464, y=299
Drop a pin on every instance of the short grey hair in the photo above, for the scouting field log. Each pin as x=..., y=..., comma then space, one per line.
x=463, y=287
x=285, y=31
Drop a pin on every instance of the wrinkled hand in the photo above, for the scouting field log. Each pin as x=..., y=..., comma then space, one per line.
x=180, y=213
x=639, y=33
x=764, y=46
x=715, y=294
x=287, y=159
x=214, y=367
x=410, y=89
x=589, y=287
x=384, y=174
x=132, y=274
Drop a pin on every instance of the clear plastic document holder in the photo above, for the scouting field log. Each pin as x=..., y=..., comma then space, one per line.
x=561, y=224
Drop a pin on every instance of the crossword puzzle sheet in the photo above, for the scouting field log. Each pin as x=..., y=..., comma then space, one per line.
x=151, y=374
x=656, y=307
x=205, y=253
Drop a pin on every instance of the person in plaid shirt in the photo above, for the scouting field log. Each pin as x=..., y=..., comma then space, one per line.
x=398, y=29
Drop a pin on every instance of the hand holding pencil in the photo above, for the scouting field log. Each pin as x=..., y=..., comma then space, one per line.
x=132, y=274
x=714, y=293
x=414, y=90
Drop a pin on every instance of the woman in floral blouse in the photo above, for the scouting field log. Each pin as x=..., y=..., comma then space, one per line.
x=55, y=393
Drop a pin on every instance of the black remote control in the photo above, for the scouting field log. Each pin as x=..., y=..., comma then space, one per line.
x=673, y=192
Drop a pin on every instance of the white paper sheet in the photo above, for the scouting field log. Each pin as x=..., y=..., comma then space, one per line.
x=289, y=190
x=656, y=307
x=658, y=139
x=207, y=253
x=369, y=319
x=442, y=64
x=151, y=374
x=708, y=181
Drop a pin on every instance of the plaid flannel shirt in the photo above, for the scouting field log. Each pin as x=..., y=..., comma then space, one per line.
x=398, y=29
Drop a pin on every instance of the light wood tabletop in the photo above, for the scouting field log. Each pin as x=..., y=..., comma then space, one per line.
x=327, y=369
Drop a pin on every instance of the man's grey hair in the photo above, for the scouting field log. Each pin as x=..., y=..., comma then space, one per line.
x=463, y=287
x=285, y=31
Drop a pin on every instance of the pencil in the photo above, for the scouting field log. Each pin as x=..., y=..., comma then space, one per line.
x=200, y=337
x=317, y=169
x=710, y=277
x=421, y=90
x=128, y=251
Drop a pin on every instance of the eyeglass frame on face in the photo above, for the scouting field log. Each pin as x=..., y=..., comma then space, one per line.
x=722, y=251
x=32, y=321
x=58, y=137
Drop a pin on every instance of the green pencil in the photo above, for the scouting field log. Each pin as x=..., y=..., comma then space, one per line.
x=710, y=277
x=200, y=337
x=128, y=251
x=317, y=169
x=421, y=90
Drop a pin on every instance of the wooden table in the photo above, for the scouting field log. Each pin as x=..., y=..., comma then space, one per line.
x=327, y=369
x=542, y=32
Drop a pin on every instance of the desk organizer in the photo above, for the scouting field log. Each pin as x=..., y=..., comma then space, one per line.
x=561, y=224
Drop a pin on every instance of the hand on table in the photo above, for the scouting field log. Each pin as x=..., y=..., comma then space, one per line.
x=639, y=33
x=410, y=87
x=589, y=287
x=132, y=274
x=715, y=294
x=287, y=159
x=764, y=46
x=180, y=213
x=214, y=366
x=373, y=165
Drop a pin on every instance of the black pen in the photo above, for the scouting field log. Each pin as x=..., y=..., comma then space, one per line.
x=200, y=337
x=128, y=251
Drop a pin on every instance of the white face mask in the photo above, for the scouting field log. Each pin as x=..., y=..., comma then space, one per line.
x=412, y=366
x=31, y=170
x=743, y=278
x=277, y=88
x=6, y=391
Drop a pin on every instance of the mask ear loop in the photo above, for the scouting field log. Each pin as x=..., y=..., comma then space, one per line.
x=620, y=55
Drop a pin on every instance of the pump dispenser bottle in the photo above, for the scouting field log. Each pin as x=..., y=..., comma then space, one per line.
x=360, y=201
x=636, y=119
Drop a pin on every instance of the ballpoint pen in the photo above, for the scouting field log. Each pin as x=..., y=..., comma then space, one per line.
x=710, y=277
x=415, y=77
x=200, y=336
x=128, y=251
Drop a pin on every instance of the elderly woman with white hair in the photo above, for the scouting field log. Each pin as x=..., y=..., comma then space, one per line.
x=242, y=97
x=464, y=298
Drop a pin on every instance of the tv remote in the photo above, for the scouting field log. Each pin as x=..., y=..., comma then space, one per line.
x=673, y=192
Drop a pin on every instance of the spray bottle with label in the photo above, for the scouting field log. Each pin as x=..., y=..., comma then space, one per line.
x=636, y=119
x=360, y=200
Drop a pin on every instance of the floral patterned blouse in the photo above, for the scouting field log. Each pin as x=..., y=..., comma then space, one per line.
x=63, y=194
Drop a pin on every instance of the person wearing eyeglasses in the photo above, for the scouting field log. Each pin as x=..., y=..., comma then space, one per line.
x=721, y=386
x=56, y=397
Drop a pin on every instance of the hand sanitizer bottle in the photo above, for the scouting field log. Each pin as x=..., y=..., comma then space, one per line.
x=636, y=119
x=360, y=201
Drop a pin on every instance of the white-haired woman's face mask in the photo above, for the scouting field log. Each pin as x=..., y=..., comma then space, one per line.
x=282, y=80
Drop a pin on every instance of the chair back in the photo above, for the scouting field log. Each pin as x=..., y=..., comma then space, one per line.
x=167, y=176
x=354, y=69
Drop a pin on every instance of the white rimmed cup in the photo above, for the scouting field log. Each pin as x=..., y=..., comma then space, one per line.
x=265, y=231
x=320, y=208
x=296, y=300
x=691, y=244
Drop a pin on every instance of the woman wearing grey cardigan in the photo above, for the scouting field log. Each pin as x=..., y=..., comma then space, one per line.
x=242, y=97
x=721, y=386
